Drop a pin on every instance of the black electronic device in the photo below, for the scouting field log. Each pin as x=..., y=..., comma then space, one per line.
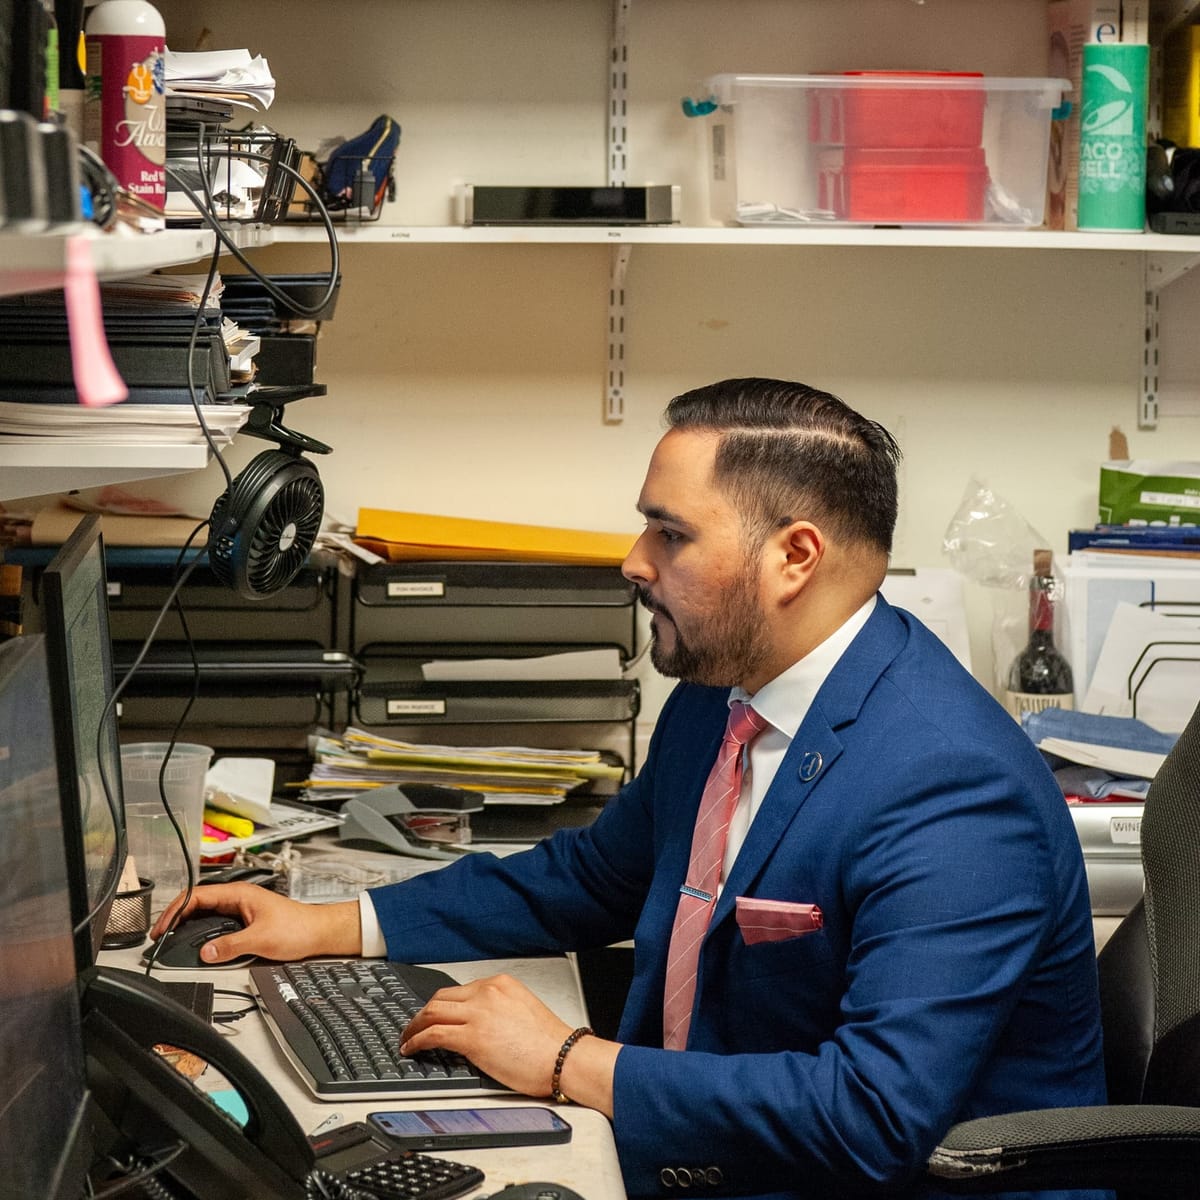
x=264, y=524
x=656, y=204
x=74, y=614
x=180, y=947
x=535, y=1190
x=45, y=1149
x=472, y=1128
x=357, y=1154
x=151, y=1113
x=406, y=1175
x=340, y=1024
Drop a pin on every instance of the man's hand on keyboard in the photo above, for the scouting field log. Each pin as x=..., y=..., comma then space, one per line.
x=508, y=1033
x=275, y=927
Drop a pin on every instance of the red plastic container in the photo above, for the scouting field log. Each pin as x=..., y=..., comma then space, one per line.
x=917, y=116
x=903, y=186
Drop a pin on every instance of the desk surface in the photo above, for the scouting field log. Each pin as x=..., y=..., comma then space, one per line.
x=587, y=1163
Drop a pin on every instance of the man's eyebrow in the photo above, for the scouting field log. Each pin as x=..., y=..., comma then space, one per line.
x=656, y=512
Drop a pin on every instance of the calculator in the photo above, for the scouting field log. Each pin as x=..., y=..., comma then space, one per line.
x=357, y=1155
x=409, y=1175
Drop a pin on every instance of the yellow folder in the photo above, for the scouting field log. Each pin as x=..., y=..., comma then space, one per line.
x=401, y=536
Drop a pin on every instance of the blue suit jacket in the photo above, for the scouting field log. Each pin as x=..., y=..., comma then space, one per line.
x=954, y=975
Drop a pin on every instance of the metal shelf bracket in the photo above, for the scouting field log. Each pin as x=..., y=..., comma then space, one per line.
x=618, y=80
x=1158, y=272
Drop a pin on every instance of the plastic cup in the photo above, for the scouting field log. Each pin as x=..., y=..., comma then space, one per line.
x=153, y=842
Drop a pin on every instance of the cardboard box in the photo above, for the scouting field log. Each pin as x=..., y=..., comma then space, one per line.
x=1072, y=24
x=1145, y=490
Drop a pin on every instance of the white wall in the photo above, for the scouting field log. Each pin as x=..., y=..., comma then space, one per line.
x=470, y=380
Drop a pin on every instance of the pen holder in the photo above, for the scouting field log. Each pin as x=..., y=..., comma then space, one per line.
x=129, y=917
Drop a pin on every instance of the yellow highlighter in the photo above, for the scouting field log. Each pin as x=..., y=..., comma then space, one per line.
x=238, y=826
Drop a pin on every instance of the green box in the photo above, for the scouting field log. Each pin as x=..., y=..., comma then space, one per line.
x=1142, y=490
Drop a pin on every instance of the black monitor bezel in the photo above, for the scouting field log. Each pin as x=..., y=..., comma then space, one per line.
x=57, y=1149
x=57, y=581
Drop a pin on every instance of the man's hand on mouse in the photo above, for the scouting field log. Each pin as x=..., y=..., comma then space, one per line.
x=275, y=927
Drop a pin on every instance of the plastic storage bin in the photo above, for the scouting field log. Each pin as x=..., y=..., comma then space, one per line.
x=880, y=148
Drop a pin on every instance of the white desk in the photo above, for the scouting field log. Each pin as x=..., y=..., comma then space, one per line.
x=587, y=1163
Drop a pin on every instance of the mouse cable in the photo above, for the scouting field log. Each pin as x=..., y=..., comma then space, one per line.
x=227, y=1017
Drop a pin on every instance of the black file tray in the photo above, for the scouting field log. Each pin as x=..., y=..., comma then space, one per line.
x=237, y=670
x=140, y=581
x=403, y=702
x=493, y=602
x=247, y=686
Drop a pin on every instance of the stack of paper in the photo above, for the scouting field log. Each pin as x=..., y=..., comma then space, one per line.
x=501, y=774
x=155, y=424
x=233, y=75
x=402, y=536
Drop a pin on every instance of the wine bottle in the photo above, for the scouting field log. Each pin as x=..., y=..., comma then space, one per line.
x=1040, y=676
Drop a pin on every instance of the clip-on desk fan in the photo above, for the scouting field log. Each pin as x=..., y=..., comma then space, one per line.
x=264, y=524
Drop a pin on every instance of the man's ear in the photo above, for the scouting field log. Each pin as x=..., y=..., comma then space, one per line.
x=800, y=546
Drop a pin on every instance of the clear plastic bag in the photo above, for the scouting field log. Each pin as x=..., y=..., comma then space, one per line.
x=990, y=542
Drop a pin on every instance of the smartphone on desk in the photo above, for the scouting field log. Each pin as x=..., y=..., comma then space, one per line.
x=471, y=1128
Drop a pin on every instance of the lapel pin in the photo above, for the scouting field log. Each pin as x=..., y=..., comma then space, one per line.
x=810, y=765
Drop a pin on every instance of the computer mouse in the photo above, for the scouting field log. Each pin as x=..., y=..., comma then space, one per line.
x=180, y=949
x=535, y=1191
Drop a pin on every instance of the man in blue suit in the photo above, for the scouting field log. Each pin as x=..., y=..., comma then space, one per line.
x=899, y=935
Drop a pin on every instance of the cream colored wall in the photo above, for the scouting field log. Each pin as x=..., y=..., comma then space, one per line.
x=469, y=380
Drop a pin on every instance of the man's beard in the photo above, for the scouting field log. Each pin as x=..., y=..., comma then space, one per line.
x=722, y=648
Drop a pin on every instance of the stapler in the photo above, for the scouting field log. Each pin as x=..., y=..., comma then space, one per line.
x=381, y=817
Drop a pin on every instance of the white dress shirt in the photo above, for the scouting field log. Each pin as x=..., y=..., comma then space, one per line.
x=784, y=702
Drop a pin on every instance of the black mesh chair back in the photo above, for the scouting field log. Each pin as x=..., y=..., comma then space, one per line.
x=1146, y=1141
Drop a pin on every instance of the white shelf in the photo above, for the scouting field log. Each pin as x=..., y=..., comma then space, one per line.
x=38, y=262
x=806, y=235
x=34, y=468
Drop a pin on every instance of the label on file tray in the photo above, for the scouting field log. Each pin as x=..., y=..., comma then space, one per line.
x=407, y=588
x=411, y=708
x=1125, y=831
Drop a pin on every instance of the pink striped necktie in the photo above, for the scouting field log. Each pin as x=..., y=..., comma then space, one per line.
x=698, y=896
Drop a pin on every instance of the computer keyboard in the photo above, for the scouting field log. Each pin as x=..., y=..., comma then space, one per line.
x=339, y=1022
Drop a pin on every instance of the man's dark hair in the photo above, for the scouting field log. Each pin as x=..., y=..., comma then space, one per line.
x=791, y=452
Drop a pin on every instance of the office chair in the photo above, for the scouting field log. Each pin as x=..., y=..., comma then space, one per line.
x=1145, y=1142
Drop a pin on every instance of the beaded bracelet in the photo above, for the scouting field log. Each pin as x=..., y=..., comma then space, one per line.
x=556, y=1078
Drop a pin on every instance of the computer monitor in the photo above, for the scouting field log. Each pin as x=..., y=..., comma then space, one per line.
x=45, y=1144
x=79, y=655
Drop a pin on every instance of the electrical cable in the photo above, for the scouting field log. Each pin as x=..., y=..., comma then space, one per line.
x=320, y=1185
x=227, y=1017
x=101, y=179
x=148, y=1167
x=210, y=218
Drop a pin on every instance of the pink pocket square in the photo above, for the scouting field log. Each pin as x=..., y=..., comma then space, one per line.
x=775, y=920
